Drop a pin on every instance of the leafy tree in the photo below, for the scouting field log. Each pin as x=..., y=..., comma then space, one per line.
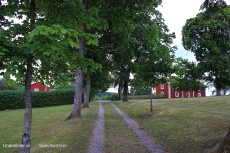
x=138, y=86
x=156, y=54
x=36, y=49
x=90, y=19
x=117, y=41
x=187, y=77
x=207, y=36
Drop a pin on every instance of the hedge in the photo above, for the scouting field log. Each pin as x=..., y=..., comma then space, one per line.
x=15, y=99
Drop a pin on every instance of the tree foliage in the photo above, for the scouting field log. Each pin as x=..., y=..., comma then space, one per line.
x=207, y=36
x=188, y=76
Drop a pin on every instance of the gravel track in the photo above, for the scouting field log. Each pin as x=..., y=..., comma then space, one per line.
x=145, y=139
x=97, y=138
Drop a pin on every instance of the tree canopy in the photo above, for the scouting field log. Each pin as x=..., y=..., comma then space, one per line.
x=188, y=76
x=207, y=36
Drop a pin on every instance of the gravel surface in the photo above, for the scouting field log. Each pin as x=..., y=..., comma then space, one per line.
x=145, y=139
x=97, y=138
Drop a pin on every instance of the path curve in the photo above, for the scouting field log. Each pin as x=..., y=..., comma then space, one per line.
x=97, y=138
x=145, y=139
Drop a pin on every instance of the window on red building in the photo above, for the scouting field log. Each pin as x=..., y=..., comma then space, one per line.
x=176, y=94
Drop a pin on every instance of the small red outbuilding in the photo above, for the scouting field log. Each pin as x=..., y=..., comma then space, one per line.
x=39, y=87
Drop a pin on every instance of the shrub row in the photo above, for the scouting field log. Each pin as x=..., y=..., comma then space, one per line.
x=15, y=99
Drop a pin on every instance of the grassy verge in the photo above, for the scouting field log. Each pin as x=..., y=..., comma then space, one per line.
x=118, y=136
x=49, y=128
x=191, y=125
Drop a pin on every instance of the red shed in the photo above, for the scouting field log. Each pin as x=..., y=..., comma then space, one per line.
x=170, y=93
x=39, y=87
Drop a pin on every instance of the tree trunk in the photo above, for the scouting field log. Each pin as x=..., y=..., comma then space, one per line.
x=225, y=145
x=76, y=112
x=151, y=100
x=218, y=90
x=119, y=91
x=87, y=89
x=27, y=94
x=125, y=85
x=125, y=91
x=28, y=110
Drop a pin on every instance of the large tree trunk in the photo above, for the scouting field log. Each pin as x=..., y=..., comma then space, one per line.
x=28, y=110
x=119, y=91
x=125, y=91
x=218, y=91
x=87, y=89
x=225, y=145
x=76, y=112
x=125, y=85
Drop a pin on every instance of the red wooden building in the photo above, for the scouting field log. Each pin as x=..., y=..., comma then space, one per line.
x=39, y=87
x=170, y=93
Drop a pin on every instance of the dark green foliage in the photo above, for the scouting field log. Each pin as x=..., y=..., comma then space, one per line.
x=11, y=99
x=103, y=94
x=114, y=97
x=14, y=99
x=188, y=76
x=207, y=36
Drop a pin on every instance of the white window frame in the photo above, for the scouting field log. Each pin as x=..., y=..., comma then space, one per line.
x=162, y=86
x=177, y=94
x=199, y=94
x=36, y=89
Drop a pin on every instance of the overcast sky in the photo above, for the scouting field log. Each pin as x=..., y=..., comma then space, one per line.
x=175, y=13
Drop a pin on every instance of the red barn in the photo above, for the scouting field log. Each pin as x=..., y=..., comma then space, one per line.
x=39, y=87
x=170, y=93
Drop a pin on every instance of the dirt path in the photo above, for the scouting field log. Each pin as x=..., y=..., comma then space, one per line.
x=97, y=138
x=145, y=139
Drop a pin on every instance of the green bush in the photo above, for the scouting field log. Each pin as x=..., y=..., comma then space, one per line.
x=113, y=97
x=15, y=99
x=11, y=99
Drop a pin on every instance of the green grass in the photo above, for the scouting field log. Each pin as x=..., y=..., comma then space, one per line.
x=48, y=127
x=118, y=136
x=191, y=125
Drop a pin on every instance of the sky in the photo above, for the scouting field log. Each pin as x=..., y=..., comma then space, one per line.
x=175, y=13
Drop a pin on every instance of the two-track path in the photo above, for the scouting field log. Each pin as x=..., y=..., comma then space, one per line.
x=97, y=138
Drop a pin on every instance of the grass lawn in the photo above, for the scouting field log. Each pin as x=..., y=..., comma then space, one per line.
x=187, y=125
x=48, y=127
